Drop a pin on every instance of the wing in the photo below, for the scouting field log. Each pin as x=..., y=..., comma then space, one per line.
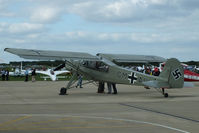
x=43, y=72
x=49, y=55
x=61, y=72
x=52, y=77
x=125, y=58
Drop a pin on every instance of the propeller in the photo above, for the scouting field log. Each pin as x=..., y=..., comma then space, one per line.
x=59, y=67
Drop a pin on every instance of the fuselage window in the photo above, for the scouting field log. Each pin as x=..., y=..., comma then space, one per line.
x=96, y=65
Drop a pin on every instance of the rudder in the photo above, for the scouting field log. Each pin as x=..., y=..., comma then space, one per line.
x=173, y=72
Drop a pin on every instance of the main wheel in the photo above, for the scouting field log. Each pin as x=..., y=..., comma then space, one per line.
x=166, y=94
x=62, y=91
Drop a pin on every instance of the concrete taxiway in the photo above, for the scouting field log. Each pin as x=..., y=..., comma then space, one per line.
x=37, y=107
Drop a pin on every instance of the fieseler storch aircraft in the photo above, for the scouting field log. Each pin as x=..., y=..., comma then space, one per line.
x=102, y=67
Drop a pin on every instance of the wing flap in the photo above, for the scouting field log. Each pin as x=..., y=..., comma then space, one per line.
x=49, y=55
x=125, y=58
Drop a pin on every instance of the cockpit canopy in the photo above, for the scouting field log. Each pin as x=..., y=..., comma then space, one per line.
x=96, y=65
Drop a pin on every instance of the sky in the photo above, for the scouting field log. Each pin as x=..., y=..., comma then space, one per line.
x=167, y=28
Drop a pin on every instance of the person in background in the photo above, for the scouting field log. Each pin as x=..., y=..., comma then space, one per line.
x=100, y=87
x=26, y=75
x=109, y=87
x=156, y=72
x=3, y=75
x=7, y=75
x=147, y=70
x=33, y=74
x=79, y=83
x=114, y=88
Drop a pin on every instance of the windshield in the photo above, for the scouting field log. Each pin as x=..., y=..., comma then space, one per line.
x=96, y=65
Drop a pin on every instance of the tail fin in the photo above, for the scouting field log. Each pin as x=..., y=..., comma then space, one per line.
x=173, y=72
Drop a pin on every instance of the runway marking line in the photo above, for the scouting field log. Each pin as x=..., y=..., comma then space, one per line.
x=14, y=120
x=89, y=117
x=48, y=121
x=64, y=128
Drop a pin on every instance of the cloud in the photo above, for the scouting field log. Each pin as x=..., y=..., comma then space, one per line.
x=128, y=11
x=45, y=14
x=160, y=27
x=94, y=42
x=20, y=28
x=189, y=4
x=4, y=11
x=24, y=27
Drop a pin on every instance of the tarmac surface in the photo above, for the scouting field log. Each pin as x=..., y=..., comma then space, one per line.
x=37, y=107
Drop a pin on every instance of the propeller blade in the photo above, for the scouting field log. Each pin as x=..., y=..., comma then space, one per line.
x=59, y=67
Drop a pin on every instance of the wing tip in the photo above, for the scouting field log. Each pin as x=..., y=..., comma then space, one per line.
x=6, y=49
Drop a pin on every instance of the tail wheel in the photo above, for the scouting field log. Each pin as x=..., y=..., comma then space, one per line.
x=166, y=95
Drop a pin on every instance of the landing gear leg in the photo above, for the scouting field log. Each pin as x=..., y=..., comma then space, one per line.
x=165, y=94
x=71, y=82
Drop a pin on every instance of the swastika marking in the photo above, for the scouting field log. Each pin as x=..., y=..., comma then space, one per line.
x=177, y=74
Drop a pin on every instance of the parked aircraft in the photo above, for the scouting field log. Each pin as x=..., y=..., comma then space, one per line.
x=19, y=71
x=52, y=74
x=103, y=68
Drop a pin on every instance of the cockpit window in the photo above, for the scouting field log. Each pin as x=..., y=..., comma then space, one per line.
x=96, y=65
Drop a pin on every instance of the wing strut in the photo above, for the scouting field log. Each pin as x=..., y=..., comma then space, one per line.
x=72, y=80
x=63, y=91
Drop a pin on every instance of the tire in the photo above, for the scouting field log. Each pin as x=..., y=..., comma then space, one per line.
x=62, y=91
x=166, y=95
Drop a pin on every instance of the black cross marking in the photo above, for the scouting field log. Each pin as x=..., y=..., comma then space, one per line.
x=176, y=74
x=132, y=78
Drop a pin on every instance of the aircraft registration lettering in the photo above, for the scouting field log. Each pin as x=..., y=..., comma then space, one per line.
x=122, y=75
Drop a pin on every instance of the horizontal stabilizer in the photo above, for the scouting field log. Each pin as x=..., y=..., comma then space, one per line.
x=159, y=84
x=156, y=84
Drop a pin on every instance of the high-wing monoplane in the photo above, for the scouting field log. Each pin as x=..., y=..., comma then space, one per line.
x=103, y=68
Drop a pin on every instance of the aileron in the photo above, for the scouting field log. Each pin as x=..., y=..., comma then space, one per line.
x=126, y=58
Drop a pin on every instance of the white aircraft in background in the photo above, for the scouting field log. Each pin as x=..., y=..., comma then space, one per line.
x=19, y=72
x=49, y=72
x=52, y=74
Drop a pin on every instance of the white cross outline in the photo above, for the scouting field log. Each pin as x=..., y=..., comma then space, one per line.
x=132, y=77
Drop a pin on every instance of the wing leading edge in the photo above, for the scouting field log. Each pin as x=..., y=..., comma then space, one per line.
x=49, y=55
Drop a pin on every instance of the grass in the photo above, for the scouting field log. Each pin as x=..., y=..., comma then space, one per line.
x=38, y=77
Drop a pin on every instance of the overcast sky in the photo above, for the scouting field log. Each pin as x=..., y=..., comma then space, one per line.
x=167, y=28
